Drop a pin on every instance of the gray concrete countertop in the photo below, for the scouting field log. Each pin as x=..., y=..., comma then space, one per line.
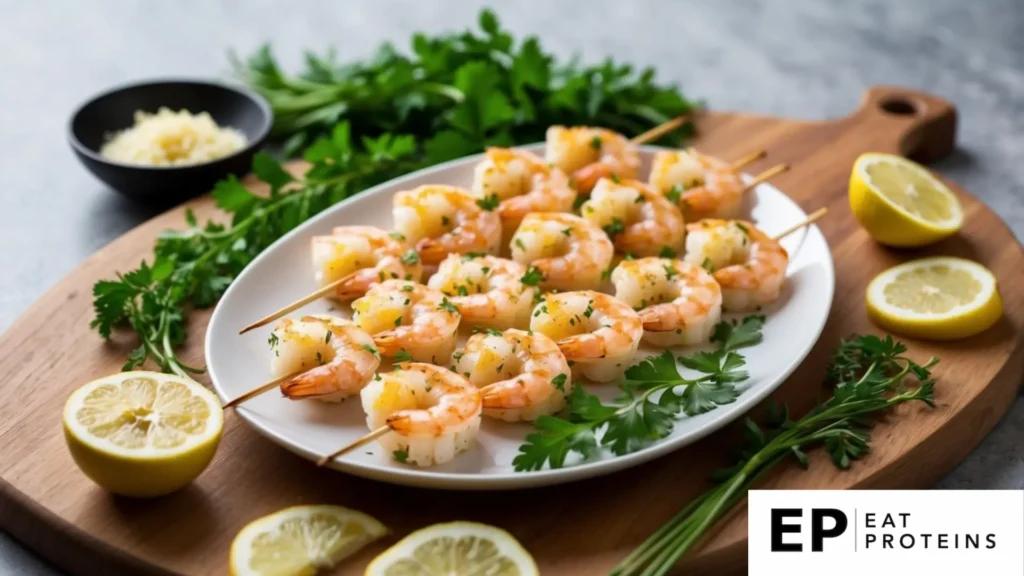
x=799, y=58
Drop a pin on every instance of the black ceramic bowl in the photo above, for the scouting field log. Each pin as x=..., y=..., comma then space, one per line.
x=93, y=123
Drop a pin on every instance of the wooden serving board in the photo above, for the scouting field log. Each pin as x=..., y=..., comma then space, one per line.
x=583, y=528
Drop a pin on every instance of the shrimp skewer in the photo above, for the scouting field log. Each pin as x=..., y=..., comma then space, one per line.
x=702, y=185
x=523, y=375
x=748, y=264
x=420, y=414
x=487, y=290
x=349, y=261
x=318, y=356
x=523, y=183
x=407, y=316
x=595, y=331
x=568, y=251
x=441, y=220
x=590, y=154
x=639, y=220
x=679, y=303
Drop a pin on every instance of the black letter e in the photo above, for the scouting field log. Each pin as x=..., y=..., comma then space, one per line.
x=779, y=528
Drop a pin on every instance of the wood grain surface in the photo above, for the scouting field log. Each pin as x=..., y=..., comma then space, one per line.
x=582, y=528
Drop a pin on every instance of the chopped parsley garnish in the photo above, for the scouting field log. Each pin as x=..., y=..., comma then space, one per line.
x=397, y=236
x=371, y=350
x=402, y=356
x=274, y=340
x=666, y=252
x=616, y=227
x=400, y=455
x=411, y=258
x=532, y=277
x=595, y=142
x=489, y=202
x=674, y=193
x=447, y=306
x=559, y=382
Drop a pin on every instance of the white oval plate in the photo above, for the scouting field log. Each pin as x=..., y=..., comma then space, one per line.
x=282, y=274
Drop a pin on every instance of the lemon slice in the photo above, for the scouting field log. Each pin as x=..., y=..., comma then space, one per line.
x=455, y=549
x=936, y=298
x=142, y=433
x=301, y=540
x=900, y=203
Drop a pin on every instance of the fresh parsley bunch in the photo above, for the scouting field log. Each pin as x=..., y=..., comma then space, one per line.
x=457, y=93
x=654, y=394
x=870, y=375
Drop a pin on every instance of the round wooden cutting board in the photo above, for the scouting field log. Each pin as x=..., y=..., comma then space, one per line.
x=582, y=528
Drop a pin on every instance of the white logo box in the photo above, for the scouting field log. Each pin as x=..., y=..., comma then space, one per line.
x=913, y=532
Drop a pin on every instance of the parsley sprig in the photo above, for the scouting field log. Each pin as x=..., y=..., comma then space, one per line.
x=871, y=375
x=654, y=395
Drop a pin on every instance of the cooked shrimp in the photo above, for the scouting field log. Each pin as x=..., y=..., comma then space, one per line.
x=335, y=357
x=592, y=329
x=523, y=183
x=679, y=302
x=749, y=265
x=639, y=221
x=440, y=220
x=526, y=374
x=703, y=185
x=407, y=316
x=433, y=413
x=589, y=154
x=569, y=252
x=366, y=255
x=487, y=290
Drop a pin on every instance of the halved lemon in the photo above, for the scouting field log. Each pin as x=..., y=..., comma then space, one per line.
x=900, y=203
x=935, y=298
x=142, y=433
x=455, y=548
x=301, y=540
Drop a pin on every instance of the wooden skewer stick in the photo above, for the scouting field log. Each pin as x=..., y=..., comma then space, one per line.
x=660, y=130
x=352, y=446
x=257, y=391
x=325, y=291
x=764, y=176
x=754, y=157
x=364, y=440
x=814, y=216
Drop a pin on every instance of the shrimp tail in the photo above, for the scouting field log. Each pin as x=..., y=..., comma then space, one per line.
x=655, y=319
x=356, y=284
x=388, y=342
x=582, y=347
x=432, y=250
x=586, y=178
x=322, y=382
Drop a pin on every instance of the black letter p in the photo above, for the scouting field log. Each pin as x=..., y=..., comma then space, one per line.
x=818, y=532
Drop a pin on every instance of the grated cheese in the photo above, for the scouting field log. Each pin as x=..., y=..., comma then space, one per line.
x=170, y=138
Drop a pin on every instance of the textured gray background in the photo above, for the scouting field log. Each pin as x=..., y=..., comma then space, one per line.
x=799, y=58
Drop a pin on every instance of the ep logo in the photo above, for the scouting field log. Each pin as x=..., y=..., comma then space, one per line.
x=820, y=524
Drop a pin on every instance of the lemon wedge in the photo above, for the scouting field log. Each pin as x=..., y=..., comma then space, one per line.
x=935, y=298
x=455, y=549
x=142, y=433
x=302, y=540
x=900, y=203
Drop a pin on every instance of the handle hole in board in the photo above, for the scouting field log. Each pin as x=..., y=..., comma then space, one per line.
x=898, y=106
